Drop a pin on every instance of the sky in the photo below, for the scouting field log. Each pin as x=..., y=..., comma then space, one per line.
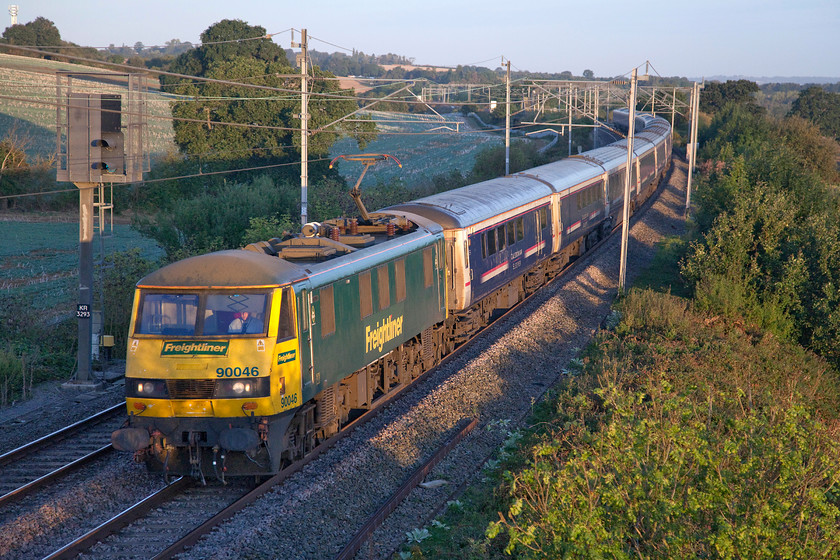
x=753, y=38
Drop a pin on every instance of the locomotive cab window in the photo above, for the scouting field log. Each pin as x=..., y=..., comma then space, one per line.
x=168, y=314
x=235, y=314
x=286, y=329
x=202, y=314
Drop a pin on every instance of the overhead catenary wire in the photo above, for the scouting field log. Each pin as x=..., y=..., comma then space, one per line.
x=410, y=98
x=146, y=182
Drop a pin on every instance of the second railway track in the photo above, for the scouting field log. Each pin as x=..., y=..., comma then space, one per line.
x=37, y=464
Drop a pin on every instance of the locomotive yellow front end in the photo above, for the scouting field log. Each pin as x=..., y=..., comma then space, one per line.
x=213, y=377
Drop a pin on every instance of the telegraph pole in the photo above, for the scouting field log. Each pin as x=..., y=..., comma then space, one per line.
x=625, y=224
x=507, y=120
x=303, y=61
x=692, y=142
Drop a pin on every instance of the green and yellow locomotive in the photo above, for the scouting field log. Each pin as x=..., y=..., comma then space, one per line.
x=241, y=361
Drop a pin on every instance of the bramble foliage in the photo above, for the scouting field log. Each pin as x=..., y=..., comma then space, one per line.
x=264, y=228
x=685, y=437
x=770, y=228
x=490, y=163
x=217, y=220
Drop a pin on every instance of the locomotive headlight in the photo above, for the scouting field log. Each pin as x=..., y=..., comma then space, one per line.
x=147, y=389
x=245, y=388
x=239, y=387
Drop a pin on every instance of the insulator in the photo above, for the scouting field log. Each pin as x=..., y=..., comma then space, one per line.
x=354, y=226
x=392, y=230
x=334, y=233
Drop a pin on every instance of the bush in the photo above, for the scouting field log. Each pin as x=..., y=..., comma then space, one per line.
x=216, y=221
x=769, y=229
x=687, y=436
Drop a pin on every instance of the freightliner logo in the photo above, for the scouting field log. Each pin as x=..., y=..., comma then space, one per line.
x=389, y=329
x=194, y=348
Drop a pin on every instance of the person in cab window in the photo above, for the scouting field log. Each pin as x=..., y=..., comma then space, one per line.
x=245, y=323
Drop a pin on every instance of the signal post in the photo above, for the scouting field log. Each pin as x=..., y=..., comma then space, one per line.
x=92, y=151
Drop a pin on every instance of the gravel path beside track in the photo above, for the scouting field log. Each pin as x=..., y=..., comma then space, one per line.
x=313, y=514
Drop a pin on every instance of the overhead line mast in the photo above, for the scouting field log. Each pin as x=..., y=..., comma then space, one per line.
x=303, y=61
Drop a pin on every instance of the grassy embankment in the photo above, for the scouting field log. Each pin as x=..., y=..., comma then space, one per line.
x=680, y=435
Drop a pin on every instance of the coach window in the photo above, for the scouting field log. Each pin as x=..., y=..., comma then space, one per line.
x=428, y=267
x=399, y=279
x=384, y=290
x=511, y=233
x=491, y=242
x=365, y=295
x=327, y=311
x=520, y=229
x=500, y=232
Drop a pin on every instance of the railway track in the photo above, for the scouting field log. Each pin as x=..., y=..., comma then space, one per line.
x=152, y=525
x=174, y=518
x=43, y=461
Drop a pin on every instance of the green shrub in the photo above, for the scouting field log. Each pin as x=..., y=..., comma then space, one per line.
x=666, y=478
x=688, y=435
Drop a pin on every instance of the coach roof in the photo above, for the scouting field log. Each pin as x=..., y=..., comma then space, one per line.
x=472, y=204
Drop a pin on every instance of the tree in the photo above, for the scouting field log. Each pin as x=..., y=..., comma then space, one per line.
x=39, y=32
x=234, y=51
x=715, y=95
x=588, y=74
x=821, y=108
